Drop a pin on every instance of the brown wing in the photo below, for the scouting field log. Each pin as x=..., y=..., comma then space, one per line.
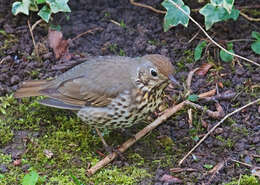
x=93, y=83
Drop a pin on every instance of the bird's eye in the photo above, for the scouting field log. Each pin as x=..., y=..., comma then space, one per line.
x=153, y=73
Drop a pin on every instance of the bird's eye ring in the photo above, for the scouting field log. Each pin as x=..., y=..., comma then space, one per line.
x=153, y=73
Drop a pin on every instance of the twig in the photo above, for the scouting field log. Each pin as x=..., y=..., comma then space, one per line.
x=189, y=79
x=34, y=44
x=214, y=114
x=36, y=23
x=211, y=130
x=136, y=137
x=249, y=18
x=245, y=164
x=167, y=113
x=147, y=6
x=200, y=27
x=86, y=32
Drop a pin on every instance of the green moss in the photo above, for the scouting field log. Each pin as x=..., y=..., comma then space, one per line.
x=245, y=180
x=72, y=145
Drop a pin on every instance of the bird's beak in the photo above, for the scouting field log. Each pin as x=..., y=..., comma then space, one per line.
x=174, y=81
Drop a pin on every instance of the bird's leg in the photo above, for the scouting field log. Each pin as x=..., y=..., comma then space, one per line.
x=108, y=148
x=102, y=138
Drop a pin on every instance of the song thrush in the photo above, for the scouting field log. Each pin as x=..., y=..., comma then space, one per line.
x=107, y=91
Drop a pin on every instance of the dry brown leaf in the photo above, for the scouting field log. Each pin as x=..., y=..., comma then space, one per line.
x=220, y=84
x=48, y=153
x=58, y=44
x=217, y=168
x=17, y=162
x=170, y=179
x=204, y=68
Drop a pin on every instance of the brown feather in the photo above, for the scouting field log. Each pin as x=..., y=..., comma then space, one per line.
x=30, y=88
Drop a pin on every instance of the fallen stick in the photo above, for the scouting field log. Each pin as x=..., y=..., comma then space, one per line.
x=168, y=112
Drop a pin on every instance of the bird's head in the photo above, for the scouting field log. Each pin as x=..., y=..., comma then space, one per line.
x=155, y=70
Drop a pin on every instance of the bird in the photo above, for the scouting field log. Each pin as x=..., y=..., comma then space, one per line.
x=107, y=91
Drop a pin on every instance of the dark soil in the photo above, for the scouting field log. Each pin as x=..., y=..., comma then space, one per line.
x=142, y=33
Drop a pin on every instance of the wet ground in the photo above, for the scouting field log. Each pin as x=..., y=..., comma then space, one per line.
x=140, y=32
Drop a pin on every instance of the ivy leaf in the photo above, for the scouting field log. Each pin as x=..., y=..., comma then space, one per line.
x=227, y=4
x=30, y=178
x=255, y=35
x=233, y=15
x=40, y=1
x=45, y=13
x=58, y=6
x=198, y=50
x=33, y=6
x=214, y=14
x=225, y=56
x=174, y=16
x=21, y=7
x=256, y=47
x=193, y=97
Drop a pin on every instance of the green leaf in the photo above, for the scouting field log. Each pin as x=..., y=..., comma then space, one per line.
x=208, y=166
x=40, y=1
x=174, y=16
x=214, y=14
x=58, y=5
x=45, y=13
x=198, y=50
x=255, y=35
x=233, y=15
x=193, y=97
x=225, y=56
x=30, y=178
x=21, y=7
x=256, y=47
x=228, y=5
x=33, y=6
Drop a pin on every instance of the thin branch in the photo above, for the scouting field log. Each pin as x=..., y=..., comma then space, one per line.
x=147, y=6
x=166, y=114
x=86, y=32
x=36, y=23
x=200, y=27
x=211, y=130
x=135, y=138
x=34, y=44
x=249, y=18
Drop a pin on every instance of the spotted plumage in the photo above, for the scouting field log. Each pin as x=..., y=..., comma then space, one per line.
x=107, y=91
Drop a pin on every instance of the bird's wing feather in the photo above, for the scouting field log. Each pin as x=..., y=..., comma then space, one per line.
x=92, y=83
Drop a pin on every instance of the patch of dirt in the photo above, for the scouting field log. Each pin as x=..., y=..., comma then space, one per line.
x=141, y=33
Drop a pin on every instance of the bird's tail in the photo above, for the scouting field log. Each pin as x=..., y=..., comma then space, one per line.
x=30, y=88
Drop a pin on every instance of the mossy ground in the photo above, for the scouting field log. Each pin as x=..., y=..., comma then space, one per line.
x=72, y=143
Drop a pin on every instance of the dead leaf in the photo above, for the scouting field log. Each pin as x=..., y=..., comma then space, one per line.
x=208, y=94
x=204, y=123
x=170, y=179
x=59, y=45
x=48, y=153
x=217, y=168
x=17, y=162
x=220, y=84
x=204, y=68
